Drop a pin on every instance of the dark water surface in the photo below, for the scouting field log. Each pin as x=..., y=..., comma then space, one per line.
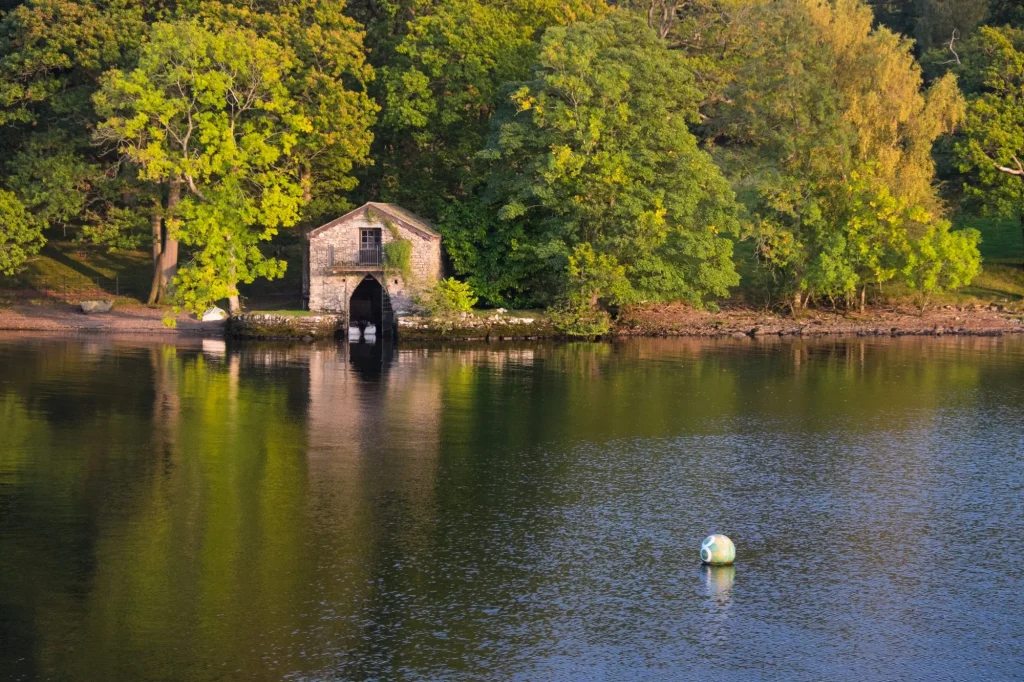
x=186, y=511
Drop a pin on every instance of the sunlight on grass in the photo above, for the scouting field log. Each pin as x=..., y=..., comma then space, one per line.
x=64, y=269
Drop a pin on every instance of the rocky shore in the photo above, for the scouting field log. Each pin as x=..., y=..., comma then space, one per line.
x=682, y=320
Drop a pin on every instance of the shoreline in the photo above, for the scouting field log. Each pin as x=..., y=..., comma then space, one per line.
x=660, y=321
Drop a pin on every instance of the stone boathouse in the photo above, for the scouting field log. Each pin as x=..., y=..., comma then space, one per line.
x=352, y=268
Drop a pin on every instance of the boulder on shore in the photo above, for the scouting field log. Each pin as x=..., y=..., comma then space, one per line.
x=101, y=306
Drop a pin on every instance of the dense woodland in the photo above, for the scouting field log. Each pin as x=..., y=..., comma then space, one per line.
x=575, y=154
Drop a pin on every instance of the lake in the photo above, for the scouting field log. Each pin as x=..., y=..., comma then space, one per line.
x=182, y=509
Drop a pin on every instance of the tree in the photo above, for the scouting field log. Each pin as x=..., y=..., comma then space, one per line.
x=823, y=99
x=595, y=149
x=440, y=87
x=328, y=85
x=1003, y=12
x=207, y=114
x=990, y=147
x=942, y=259
x=21, y=235
x=941, y=21
x=52, y=53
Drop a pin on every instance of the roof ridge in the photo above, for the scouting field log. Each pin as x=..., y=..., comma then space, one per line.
x=409, y=219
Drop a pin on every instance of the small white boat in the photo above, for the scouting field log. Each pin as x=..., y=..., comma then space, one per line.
x=354, y=333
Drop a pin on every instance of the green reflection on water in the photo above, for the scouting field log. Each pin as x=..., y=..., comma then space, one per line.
x=195, y=512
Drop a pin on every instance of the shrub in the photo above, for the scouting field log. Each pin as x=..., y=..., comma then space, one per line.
x=448, y=297
x=580, y=322
x=589, y=278
x=943, y=259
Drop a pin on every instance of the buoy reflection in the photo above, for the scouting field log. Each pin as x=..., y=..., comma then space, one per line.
x=718, y=580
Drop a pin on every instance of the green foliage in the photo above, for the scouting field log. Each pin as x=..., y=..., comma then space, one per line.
x=53, y=57
x=943, y=259
x=449, y=297
x=829, y=140
x=572, y=154
x=1005, y=12
x=52, y=53
x=208, y=106
x=990, y=147
x=21, y=235
x=583, y=323
x=327, y=81
x=441, y=85
x=590, y=278
x=596, y=149
x=121, y=229
x=398, y=256
x=939, y=20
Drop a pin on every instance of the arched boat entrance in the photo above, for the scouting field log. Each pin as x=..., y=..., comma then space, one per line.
x=370, y=304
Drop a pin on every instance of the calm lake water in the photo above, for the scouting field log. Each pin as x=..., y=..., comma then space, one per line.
x=182, y=510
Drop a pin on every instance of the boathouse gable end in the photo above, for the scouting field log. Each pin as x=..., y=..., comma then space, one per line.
x=343, y=252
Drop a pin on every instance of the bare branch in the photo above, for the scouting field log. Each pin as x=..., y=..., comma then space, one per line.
x=1019, y=170
x=956, y=34
x=192, y=186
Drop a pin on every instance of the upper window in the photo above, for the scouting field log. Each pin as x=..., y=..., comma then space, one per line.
x=369, y=239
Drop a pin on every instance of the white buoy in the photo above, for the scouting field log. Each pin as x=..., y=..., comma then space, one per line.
x=717, y=550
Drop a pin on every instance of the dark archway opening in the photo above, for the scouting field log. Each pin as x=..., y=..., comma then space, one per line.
x=367, y=304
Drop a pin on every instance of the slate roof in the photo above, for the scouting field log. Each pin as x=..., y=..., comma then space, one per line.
x=405, y=218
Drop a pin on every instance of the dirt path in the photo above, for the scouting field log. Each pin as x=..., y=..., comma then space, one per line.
x=130, y=319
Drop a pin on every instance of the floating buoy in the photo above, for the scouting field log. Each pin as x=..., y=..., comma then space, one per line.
x=717, y=550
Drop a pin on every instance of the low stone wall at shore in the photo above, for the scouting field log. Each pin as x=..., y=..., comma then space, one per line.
x=672, y=320
x=271, y=326
x=469, y=327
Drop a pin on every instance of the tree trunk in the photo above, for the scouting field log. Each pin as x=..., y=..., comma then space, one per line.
x=863, y=297
x=157, y=225
x=234, y=305
x=307, y=196
x=169, y=258
x=1022, y=230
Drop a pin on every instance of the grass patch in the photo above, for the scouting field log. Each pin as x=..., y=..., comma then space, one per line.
x=1001, y=240
x=997, y=283
x=65, y=271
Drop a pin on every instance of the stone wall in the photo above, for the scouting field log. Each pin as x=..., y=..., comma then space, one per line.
x=476, y=327
x=329, y=292
x=271, y=326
